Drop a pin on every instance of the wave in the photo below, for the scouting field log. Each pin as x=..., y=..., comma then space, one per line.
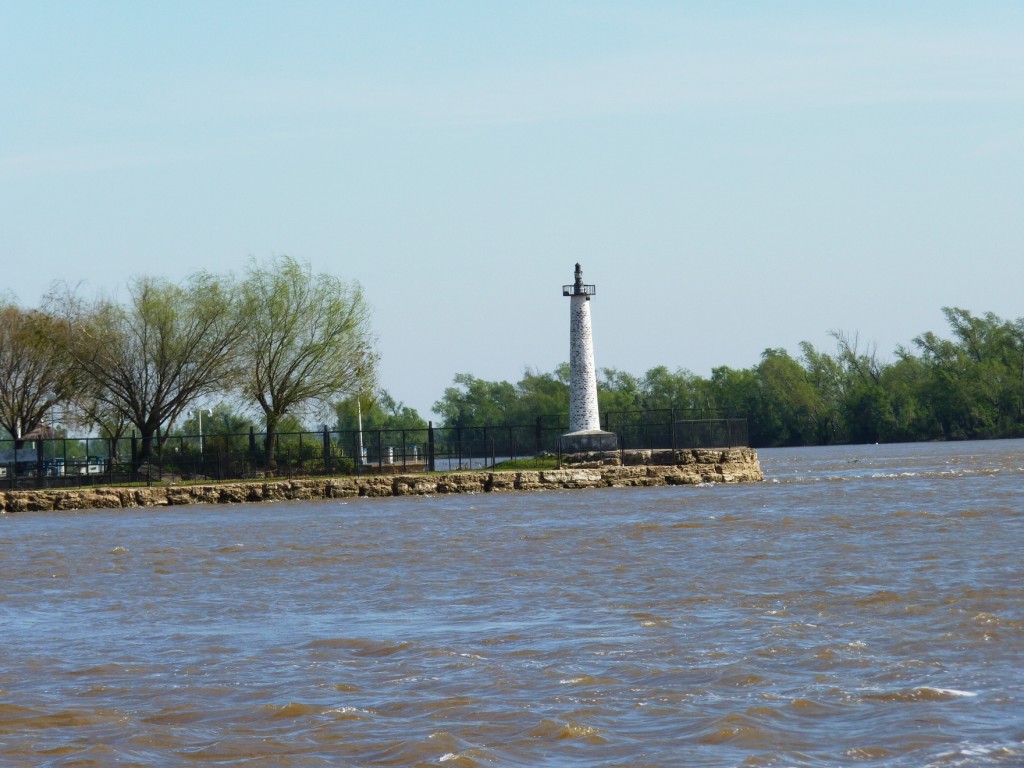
x=922, y=693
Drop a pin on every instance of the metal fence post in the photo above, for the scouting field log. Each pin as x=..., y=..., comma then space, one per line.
x=40, y=479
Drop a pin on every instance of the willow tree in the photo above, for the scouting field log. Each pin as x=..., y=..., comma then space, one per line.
x=307, y=341
x=33, y=377
x=151, y=358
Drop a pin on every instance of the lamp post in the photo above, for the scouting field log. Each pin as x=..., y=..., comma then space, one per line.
x=199, y=413
x=359, y=418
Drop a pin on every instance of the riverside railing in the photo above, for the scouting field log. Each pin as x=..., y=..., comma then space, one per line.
x=71, y=462
x=677, y=428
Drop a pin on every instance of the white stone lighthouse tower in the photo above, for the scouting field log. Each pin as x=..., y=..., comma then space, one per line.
x=585, y=432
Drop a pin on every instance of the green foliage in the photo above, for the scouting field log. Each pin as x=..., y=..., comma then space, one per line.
x=788, y=405
x=147, y=361
x=474, y=402
x=293, y=439
x=975, y=381
x=381, y=411
x=223, y=428
x=307, y=341
x=826, y=376
x=34, y=376
x=222, y=419
x=541, y=393
x=968, y=386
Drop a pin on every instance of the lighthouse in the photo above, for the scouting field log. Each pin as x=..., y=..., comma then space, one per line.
x=585, y=433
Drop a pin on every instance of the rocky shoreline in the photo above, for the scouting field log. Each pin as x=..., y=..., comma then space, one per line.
x=628, y=468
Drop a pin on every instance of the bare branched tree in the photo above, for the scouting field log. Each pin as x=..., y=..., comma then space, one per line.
x=865, y=364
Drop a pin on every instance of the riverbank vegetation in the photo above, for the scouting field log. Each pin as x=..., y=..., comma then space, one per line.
x=967, y=385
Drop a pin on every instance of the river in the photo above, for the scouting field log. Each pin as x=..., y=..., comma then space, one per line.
x=863, y=606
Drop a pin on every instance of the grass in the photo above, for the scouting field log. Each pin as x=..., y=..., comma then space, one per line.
x=538, y=462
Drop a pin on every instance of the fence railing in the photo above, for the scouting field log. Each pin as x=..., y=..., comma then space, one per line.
x=68, y=462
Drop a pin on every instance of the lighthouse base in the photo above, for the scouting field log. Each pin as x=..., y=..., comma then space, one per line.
x=588, y=441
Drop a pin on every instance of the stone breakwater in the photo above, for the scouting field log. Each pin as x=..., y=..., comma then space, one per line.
x=630, y=468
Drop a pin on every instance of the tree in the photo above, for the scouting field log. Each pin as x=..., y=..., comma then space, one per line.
x=977, y=378
x=737, y=393
x=828, y=378
x=33, y=376
x=788, y=400
x=618, y=392
x=223, y=428
x=905, y=381
x=543, y=394
x=149, y=360
x=379, y=412
x=867, y=407
x=307, y=341
x=664, y=389
x=473, y=402
x=88, y=410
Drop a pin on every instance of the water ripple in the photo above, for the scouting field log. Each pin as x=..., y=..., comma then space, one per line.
x=867, y=608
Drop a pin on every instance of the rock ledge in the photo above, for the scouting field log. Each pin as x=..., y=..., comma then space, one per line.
x=630, y=468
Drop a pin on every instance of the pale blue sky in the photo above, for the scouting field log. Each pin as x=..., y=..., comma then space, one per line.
x=732, y=176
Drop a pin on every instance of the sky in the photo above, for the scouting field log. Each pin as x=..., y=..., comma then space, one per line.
x=732, y=176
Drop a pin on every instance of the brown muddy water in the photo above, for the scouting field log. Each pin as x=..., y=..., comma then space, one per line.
x=864, y=606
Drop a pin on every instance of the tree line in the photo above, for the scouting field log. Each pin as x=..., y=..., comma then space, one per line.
x=285, y=344
x=967, y=386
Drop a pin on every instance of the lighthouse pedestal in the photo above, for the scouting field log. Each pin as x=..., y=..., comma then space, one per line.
x=588, y=441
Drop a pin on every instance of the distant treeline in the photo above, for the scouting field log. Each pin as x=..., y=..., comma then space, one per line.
x=964, y=387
